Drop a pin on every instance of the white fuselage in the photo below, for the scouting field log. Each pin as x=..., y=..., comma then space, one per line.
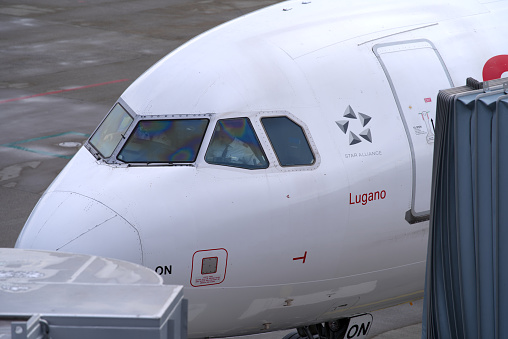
x=289, y=245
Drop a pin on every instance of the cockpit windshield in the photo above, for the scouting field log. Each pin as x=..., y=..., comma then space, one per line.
x=164, y=141
x=110, y=132
x=234, y=143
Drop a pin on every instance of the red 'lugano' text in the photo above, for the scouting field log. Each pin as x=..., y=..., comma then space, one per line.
x=366, y=197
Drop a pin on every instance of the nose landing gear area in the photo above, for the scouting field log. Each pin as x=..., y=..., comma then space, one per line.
x=346, y=328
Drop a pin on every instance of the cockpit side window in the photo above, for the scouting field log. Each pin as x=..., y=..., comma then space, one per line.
x=164, y=141
x=110, y=132
x=234, y=143
x=289, y=141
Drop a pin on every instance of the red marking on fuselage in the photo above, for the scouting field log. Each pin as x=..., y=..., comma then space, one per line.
x=302, y=258
x=495, y=67
x=62, y=91
x=366, y=197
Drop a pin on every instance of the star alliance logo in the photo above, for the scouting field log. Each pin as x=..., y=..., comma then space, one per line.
x=364, y=119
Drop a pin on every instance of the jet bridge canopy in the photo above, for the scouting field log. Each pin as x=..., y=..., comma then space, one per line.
x=61, y=295
x=466, y=293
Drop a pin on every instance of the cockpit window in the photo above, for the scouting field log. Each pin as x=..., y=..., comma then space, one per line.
x=234, y=143
x=110, y=132
x=164, y=141
x=288, y=141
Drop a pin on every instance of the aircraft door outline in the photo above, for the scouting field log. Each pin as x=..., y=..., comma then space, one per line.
x=415, y=86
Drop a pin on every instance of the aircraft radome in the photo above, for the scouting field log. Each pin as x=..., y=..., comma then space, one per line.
x=278, y=166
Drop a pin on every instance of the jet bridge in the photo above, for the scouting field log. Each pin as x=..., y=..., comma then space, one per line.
x=466, y=292
x=61, y=296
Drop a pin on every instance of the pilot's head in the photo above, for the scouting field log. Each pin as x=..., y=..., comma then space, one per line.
x=222, y=134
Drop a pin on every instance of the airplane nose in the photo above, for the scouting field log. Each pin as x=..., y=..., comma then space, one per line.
x=72, y=222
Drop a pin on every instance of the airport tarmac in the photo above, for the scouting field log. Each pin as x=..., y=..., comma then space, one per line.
x=63, y=64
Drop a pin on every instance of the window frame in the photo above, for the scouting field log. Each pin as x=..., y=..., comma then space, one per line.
x=233, y=165
x=138, y=122
x=97, y=152
x=113, y=160
x=306, y=135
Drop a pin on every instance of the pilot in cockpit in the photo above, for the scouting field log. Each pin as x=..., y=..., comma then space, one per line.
x=225, y=148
